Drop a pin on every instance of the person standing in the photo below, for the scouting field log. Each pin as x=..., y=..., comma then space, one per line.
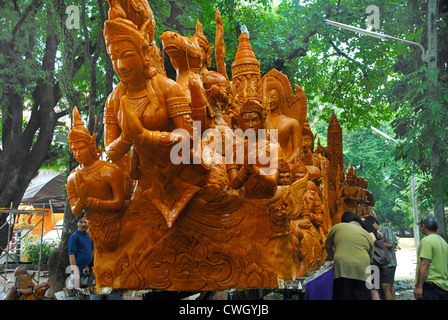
x=80, y=247
x=352, y=249
x=432, y=263
x=387, y=276
x=387, y=273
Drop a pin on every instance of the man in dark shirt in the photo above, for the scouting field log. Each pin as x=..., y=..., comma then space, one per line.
x=80, y=247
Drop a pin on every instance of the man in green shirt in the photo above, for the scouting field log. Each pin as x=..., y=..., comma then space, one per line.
x=432, y=263
x=352, y=249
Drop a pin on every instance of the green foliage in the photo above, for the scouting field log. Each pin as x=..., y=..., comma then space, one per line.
x=18, y=76
x=421, y=119
x=373, y=158
x=32, y=249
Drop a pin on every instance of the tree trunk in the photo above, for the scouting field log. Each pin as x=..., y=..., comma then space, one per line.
x=20, y=159
x=59, y=261
x=439, y=209
x=436, y=170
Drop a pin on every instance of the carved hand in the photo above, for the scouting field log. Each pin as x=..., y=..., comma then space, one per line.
x=218, y=93
x=198, y=101
x=249, y=157
x=130, y=124
x=170, y=138
x=81, y=188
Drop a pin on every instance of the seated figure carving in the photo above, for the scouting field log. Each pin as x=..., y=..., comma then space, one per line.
x=142, y=112
x=289, y=135
x=259, y=179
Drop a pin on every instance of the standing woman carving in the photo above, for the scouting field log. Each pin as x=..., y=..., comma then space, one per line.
x=141, y=113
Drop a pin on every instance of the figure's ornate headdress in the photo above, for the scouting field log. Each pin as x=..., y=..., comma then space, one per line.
x=252, y=105
x=306, y=131
x=80, y=133
x=135, y=22
x=298, y=167
x=283, y=165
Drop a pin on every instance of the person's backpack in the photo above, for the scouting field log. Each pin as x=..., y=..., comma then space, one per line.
x=382, y=257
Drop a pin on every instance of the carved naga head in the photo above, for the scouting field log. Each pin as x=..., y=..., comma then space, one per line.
x=184, y=52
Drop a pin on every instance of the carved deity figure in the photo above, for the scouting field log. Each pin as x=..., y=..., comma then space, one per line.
x=307, y=226
x=284, y=178
x=142, y=112
x=95, y=186
x=267, y=227
x=307, y=150
x=289, y=134
x=259, y=179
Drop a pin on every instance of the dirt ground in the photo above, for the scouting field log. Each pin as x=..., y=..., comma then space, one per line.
x=406, y=259
x=406, y=268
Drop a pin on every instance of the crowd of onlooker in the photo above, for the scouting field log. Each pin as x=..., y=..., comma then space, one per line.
x=358, y=275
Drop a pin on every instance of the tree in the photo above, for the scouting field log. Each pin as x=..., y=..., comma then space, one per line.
x=43, y=63
x=422, y=113
x=28, y=55
x=98, y=85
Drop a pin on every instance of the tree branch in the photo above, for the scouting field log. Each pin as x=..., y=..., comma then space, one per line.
x=343, y=54
x=33, y=6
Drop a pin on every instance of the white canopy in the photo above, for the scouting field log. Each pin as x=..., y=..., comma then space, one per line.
x=46, y=185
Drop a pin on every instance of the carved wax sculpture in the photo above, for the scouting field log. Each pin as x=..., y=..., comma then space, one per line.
x=355, y=194
x=95, y=186
x=307, y=224
x=214, y=220
x=279, y=95
x=184, y=228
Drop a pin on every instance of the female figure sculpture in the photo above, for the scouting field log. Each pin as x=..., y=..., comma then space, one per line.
x=95, y=186
x=142, y=112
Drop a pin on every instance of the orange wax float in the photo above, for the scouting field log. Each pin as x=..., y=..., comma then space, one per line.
x=212, y=183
